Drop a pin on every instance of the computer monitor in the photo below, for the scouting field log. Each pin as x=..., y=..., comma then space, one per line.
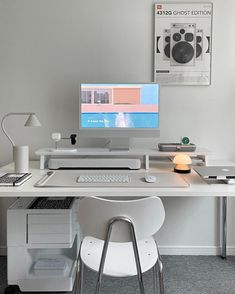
x=119, y=112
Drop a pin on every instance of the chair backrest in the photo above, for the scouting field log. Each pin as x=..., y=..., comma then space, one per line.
x=147, y=214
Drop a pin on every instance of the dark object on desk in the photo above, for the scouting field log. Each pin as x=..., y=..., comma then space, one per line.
x=52, y=203
x=182, y=171
x=176, y=147
x=14, y=179
x=73, y=139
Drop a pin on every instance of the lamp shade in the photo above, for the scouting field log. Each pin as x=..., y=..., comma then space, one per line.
x=182, y=159
x=32, y=121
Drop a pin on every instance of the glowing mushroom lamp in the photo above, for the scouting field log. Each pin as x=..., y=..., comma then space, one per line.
x=182, y=164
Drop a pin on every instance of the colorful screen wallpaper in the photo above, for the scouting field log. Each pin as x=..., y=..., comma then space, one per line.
x=119, y=106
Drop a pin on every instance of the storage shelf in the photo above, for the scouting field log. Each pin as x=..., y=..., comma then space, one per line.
x=41, y=274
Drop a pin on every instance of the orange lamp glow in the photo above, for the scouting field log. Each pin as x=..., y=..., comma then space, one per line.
x=182, y=163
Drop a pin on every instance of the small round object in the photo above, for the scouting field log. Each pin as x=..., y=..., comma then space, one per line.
x=198, y=50
x=167, y=39
x=199, y=39
x=167, y=50
x=150, y=179
x=182, y=31
x=188, y=37
x=182, y=52
x=185, y=141
x=176, y=37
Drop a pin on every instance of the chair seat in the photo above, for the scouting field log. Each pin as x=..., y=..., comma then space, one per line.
x=120, y=260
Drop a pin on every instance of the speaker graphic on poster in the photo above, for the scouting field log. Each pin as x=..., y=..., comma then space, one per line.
x=182, y=54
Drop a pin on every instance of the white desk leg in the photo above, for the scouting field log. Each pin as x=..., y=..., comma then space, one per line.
x=42, y=161
x=146, y=161
x=204, y=158
x=224, y=226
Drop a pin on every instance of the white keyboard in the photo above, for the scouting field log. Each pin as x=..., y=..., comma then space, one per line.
x=106, y=178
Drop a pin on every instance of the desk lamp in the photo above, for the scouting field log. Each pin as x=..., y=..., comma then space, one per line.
x=21, y=153
x=182, y=163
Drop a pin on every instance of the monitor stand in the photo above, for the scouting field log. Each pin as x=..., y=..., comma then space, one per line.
x=119, y=144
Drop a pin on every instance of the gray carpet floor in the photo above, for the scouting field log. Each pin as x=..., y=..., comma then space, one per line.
x=183, y=275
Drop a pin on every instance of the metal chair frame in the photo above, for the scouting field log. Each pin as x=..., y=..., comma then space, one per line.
x=158, y=267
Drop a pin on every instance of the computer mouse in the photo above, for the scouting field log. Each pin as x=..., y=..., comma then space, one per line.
x=150, y=179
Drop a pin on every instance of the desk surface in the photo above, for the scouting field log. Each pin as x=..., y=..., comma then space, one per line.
x=197, y=186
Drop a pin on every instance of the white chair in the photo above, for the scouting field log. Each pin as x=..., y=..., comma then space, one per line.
x=118, y=238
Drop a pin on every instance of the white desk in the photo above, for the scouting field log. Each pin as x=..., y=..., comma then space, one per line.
x=197, y=188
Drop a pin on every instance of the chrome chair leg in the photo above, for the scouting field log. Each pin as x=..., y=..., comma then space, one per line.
x=160, y=270
x=80, y=279
x=137, y=258
x=154, y=279
x=161, y=280
x=136, y=254
x=224, y=227
x=135, y=248
x=98, y=284
x=103, y=256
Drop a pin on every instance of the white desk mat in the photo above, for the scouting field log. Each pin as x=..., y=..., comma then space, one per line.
x=69, y=179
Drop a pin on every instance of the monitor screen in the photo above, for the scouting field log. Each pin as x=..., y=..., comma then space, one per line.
x=131, y=109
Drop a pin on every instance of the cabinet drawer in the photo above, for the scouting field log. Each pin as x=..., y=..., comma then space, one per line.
x=53, y=228
x=49, y=218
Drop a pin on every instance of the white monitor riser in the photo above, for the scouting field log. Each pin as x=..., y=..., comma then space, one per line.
x=45, y=154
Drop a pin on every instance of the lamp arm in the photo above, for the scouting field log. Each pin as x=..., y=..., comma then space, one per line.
x=3, y=125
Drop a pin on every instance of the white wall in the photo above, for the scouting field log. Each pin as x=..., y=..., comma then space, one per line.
x=48, y=47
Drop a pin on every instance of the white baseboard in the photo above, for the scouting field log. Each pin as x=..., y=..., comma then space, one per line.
x=194, y=250
x=175, y=250
x=3, y=250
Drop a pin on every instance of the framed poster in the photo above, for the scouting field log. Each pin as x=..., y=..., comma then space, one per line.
x=182, y=53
